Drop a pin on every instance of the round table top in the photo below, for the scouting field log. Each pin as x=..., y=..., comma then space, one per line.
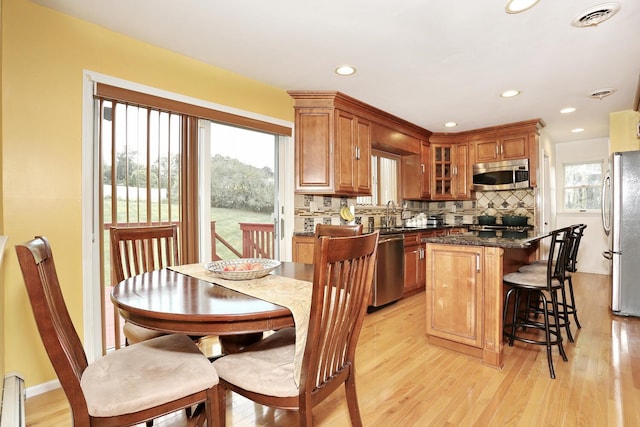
x=173, y=302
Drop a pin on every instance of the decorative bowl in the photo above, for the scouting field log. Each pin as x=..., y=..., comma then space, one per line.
x=242, y=268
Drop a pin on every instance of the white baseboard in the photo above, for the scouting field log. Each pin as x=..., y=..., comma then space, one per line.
x=42, y=388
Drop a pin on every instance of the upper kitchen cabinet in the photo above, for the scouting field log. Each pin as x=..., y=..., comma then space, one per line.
x=334, y=138
x=505, y=142
x=507, y=147
x=332, y=148
x=416, y=174
x=450, y=170
x=353, y=154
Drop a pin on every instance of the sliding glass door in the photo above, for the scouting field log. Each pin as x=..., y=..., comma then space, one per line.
x=239, y=192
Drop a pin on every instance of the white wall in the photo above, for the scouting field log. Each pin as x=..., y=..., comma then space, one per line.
x=594, y=242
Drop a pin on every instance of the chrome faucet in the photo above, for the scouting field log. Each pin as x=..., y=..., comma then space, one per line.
x=388, y=217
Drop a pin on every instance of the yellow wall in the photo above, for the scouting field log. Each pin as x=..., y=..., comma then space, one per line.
x=623, y=131
x=44, y=55
x=1, y=204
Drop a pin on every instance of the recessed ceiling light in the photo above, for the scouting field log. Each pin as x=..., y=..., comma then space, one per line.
x=450, y=124
x=509, y=93
x=577, y=130
x=567, y=110
x=345, y=70
x=517, y=6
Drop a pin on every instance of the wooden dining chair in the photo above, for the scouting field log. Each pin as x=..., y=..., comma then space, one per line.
x=137, y=250
x=338, y=230
x=125, y=387
x=264, y=372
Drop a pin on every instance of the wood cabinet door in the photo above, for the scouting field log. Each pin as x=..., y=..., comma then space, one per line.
x=363, y=158
x=345, y=156
x=486, y=150
x=514, y=147
x=314, y=166
x=425, y=170
x=454, y=293
x=303, y=247
x=462, y=177
x=411, y=267
x=441, y=171
x=411, y=174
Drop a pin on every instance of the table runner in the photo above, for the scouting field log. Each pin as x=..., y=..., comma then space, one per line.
x=284, y=291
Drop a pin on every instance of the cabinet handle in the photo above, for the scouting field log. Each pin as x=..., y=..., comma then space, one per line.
x=357, y=153
x=497, y=150
x=501, y=149
x=477, y=261
x=422, y=167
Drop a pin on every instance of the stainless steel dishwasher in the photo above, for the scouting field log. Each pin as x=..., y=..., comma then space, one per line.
x=388, y=282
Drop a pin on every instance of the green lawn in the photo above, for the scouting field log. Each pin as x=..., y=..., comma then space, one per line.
x=227, y=226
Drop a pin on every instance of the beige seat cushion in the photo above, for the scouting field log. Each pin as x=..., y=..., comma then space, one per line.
x=539, y=267
x=136, y=334
x=145, y=375
x=265, y=367
x=530, y=279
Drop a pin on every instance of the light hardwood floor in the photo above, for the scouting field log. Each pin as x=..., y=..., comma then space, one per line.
x=404, y=381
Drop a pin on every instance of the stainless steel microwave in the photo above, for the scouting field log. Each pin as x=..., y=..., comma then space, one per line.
x=505, y=175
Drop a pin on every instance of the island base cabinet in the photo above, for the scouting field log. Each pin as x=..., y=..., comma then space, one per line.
x=464, y=300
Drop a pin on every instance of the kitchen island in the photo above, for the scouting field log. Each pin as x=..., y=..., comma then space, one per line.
x=464, y=288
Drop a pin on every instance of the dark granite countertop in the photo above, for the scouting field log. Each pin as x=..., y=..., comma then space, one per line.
x=500, y=239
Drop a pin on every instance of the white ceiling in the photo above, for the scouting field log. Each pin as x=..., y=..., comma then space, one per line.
x=426, y=61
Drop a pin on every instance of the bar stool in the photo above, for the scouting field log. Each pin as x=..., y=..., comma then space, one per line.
x=544, y=288
x=568, y=304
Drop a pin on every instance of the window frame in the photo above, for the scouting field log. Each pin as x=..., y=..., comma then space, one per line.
x=565, y=187
x=374, y=199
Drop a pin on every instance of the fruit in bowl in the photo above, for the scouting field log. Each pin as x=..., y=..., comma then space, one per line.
x=243, y=267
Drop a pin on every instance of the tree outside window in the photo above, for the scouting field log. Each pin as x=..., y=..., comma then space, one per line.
x=582, y=186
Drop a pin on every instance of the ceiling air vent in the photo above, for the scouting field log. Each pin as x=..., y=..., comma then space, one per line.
x=596, y=15
x=601, y=93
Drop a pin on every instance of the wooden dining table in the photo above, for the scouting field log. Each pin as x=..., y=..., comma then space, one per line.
x=174, y=302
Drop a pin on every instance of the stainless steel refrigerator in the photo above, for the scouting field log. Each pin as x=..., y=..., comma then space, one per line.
x=621, y=222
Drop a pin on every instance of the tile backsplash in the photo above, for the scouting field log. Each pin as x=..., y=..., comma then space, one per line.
x=512, y=202
x=318, y=209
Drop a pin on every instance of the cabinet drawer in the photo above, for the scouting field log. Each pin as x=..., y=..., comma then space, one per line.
x=411, y=239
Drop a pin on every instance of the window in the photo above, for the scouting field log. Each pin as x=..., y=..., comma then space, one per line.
x=384, y=180
x=582, y=182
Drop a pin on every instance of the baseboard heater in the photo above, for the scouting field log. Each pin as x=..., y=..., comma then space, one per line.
x=13, y=396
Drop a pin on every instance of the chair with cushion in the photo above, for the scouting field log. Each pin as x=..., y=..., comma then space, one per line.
x=568, y=303
x=533, y=286
x=264, y=372
x=125, y=387
x=338, y=230
x=137, y=250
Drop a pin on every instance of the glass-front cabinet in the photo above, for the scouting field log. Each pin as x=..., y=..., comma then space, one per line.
x=450, y=175
x=442, y=168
